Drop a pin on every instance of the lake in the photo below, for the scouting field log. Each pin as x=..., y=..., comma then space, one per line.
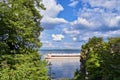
x=62, y=67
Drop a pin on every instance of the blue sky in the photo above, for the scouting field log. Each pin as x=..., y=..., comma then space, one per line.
x=70, y=23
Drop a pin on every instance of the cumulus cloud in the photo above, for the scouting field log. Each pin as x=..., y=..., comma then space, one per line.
x=84, y=37
x=50, y=23
x=95, y=18
x=74, y=38
x=101, y=20
x=54, y=20
x=102, y=16
x=83, y=22
x=68, y=31
x=52, y=8
x=57, y=37
x=73, y=3
x=108, y=4
x=50, y=19
x=113, y=22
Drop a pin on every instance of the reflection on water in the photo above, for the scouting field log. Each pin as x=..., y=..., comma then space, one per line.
x=63, y=67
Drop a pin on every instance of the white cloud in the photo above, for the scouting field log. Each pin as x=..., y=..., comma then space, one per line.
x=104, y=13
x=113, y=22
x=83, y=22
x=57, y=37
x=54, y=20
x=73, y=3
x=67, y=31
x=52, y=8
x=113, y=33
x=50, y=19
x=74, y=38
x=90, y=34
x=95, y=18
x=109, y=4
x=102, y=19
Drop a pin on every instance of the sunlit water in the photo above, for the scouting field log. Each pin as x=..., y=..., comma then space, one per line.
x=62, y=67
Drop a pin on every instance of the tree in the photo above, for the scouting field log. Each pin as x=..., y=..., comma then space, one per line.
x=19, y=32
x=100, y=60
x=20, y=22
x=90, y=60
x=111, y=57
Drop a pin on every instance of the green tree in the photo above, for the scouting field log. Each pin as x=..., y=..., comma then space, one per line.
x=90, y=60
x=100, y=60
x=19, y=27
x=19, y=43
x=111, y=57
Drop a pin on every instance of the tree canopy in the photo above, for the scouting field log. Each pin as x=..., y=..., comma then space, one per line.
x=19, y=42
x=19, y=25
x=100, y=60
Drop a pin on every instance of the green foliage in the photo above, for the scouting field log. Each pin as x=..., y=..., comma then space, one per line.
x=22, y=67
x=19, y=43
x=90, y=60
x=100, y=60
x=19, y=25
x=77, y=76
x=111, y=57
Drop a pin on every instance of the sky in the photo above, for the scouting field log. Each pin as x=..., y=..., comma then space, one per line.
x=70, y=23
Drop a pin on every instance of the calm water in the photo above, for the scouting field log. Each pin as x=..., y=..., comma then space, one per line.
x=62, y=67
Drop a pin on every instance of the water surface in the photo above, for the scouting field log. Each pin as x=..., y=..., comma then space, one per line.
x=62, y=67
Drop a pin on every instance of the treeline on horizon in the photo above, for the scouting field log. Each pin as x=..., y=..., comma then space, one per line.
x=100, y=60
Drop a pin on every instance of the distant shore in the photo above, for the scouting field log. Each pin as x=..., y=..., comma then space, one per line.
x=61, y=56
